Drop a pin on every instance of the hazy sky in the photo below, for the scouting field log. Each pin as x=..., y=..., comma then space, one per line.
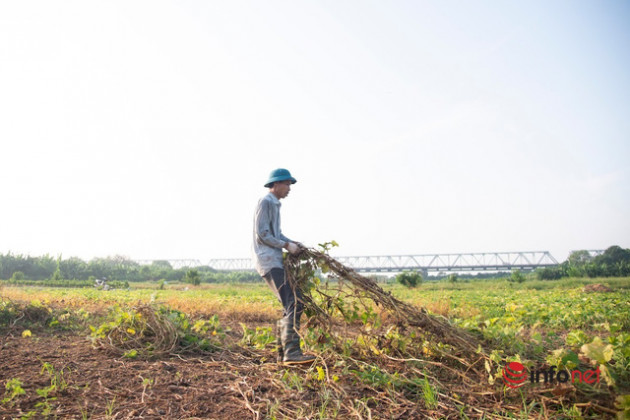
x=148, y=128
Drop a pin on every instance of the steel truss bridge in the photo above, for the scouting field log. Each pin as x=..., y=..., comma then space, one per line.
x=467, y=262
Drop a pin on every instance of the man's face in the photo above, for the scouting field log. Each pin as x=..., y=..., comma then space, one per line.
x=281, y=189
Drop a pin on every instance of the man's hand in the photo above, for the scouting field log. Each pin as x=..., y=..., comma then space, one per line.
x=293, y=248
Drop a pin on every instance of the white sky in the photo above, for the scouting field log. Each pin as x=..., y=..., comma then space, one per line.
x=147, y=128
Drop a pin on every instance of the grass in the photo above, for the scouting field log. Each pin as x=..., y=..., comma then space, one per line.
x=252, y=302
x=482, y=299
x=565, y=283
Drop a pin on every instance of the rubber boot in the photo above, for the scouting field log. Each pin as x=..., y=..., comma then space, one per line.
x=291, y=345
x=280, y=356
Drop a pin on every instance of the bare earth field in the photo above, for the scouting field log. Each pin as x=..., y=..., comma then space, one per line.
x=101, y=387
x=223, y=385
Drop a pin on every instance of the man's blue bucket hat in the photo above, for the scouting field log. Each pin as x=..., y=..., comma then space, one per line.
x=279, y=175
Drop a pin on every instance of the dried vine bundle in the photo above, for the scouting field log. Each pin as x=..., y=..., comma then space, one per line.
x=142, y=331
x=301, y=268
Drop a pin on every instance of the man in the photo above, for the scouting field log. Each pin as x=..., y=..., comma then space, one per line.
x=267, y=249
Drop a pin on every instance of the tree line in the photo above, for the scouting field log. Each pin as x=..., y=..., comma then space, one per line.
x=21, y=269
x=613, y=262
x=29, y=269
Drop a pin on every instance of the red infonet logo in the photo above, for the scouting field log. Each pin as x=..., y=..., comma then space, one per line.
x=514, y=374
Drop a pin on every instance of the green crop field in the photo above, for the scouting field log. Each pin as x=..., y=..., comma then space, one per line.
x=228, y=329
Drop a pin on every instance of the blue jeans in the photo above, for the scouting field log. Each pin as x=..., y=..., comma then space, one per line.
x=292, y=311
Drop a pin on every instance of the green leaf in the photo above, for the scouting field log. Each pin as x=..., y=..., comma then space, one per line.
x=607, y=375
x=321, y=375
x=597, y=351
x=131, y=354
x=576, y=338
x=570, y=360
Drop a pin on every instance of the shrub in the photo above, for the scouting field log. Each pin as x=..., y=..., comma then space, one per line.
x=56, y=275
x=17, y=276
x=550, y=273
x=192, y=277
x=409, y=278
x=516, y=277
x=117, y=284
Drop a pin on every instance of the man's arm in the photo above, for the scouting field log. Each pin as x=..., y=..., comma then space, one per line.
x=284, y=238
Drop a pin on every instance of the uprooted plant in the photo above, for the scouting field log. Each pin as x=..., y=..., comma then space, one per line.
x=150, y=331
x=355, y=317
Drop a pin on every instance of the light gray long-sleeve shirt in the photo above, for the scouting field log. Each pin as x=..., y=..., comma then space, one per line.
x=268, y=238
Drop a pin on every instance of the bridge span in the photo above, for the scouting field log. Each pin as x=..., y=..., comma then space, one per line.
x=439, y=263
